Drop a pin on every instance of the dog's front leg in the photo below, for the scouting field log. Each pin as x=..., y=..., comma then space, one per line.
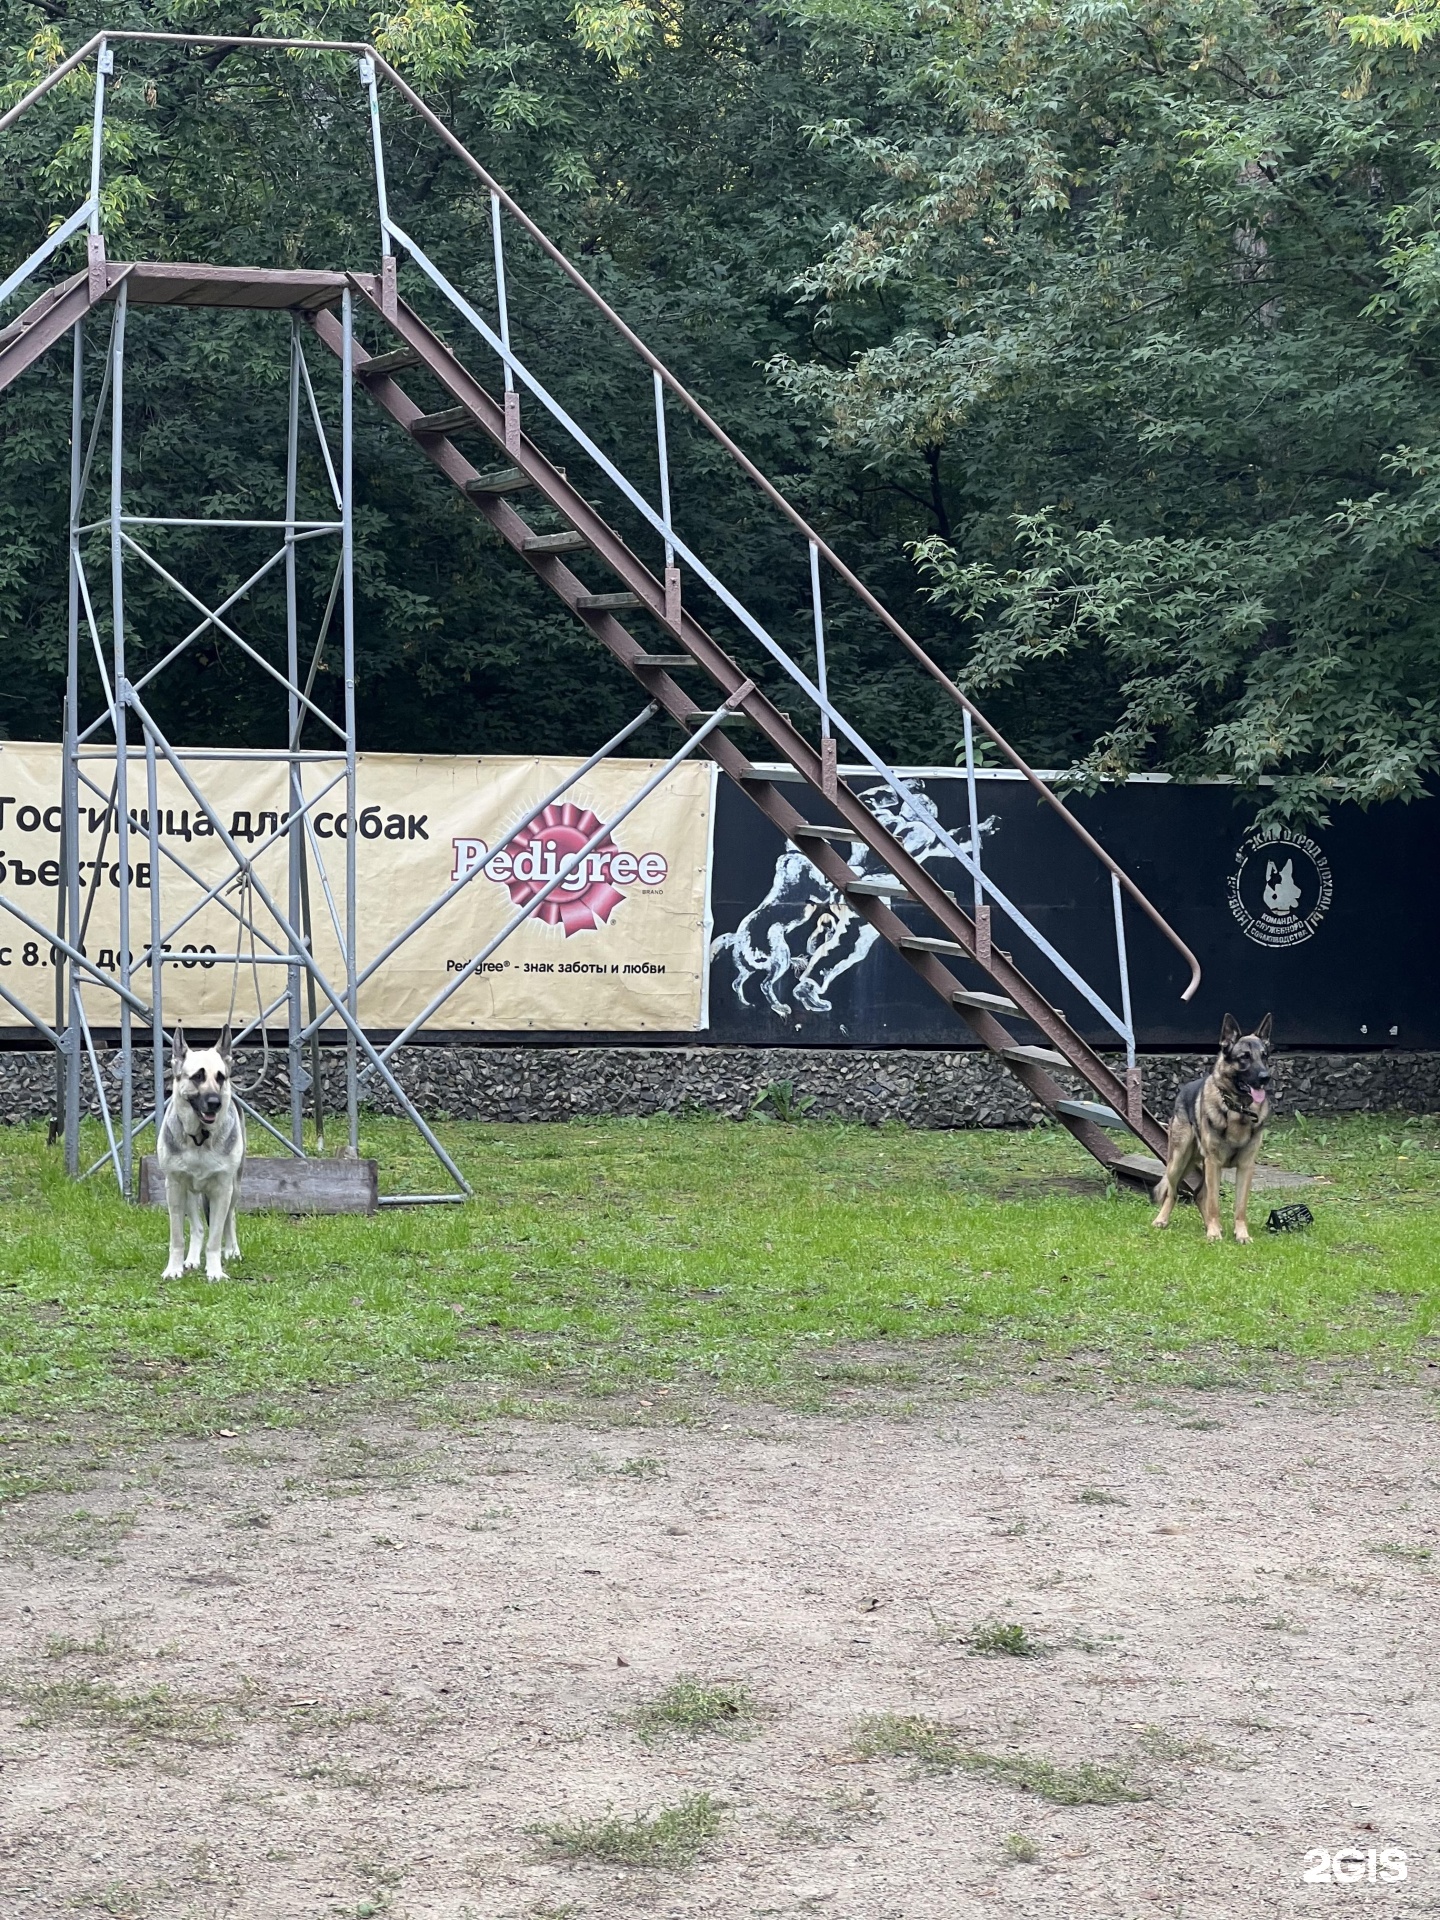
x=175, y=1199
x=1244, y=1173
x=195, y=1206
x=222, y=1192
x=1167, y=1188
x=230, y=1241
x=1214, y=1230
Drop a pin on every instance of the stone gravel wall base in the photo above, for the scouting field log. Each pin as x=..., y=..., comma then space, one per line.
x=914, y=1087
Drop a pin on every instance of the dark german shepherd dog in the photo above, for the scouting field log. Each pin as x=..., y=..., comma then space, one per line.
x=1218, y=1120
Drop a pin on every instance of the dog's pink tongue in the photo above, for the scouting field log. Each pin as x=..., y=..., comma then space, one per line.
x=1257, y=1094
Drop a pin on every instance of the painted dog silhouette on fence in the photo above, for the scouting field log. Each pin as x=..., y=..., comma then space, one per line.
x=804, y=934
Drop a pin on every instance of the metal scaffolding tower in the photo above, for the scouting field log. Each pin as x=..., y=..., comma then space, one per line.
x=122, y=742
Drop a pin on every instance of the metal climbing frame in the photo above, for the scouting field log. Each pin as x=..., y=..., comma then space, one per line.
x=807, y=758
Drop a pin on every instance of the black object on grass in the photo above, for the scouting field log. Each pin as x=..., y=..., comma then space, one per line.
x=1290, y=1219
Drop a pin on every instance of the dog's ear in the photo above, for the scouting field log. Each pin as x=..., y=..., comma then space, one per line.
x=1229, y=1030
x=1262, y=1032
x=225, y=1046
x=177, y=1046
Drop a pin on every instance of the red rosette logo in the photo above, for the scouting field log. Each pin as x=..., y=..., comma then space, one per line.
x=532, y=859
x=585, y=899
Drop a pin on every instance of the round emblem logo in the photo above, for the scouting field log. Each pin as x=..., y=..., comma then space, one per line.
x=531, y=862
x=586, y=899
x=1281, y=887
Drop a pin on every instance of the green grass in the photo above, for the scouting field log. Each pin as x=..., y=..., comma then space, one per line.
x=692, y=1706
x=153, y=1713
x=895, y=1736
x=621, y=1255
x=673, y=1837
x=907, y=1736
x=1003, y=1636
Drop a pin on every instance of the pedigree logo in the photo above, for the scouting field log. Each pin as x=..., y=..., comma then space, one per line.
x=584, y=899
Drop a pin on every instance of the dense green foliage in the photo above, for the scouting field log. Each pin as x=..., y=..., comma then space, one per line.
x=1100, y=340
x=1158, y=319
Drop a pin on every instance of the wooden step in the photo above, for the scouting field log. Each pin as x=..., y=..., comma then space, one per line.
x=567, y=542
x=986, y=1002
x=452, y=420
x=1035, y=1056
x=1093, y=1110
x=606, y=602
x=501, y=480
x=807, y=832
x=1138, y=1166
x=382, y=364
x=663, y=662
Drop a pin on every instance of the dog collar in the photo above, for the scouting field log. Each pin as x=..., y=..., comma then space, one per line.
x=1252, y=1108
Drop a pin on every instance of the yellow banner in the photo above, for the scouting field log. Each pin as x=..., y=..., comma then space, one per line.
x=619, y=946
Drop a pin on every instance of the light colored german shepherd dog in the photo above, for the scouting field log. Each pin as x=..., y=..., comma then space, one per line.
x=1219, y=1120
x=201, y=1154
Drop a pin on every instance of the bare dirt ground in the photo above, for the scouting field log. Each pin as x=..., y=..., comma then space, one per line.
x=349, y=1673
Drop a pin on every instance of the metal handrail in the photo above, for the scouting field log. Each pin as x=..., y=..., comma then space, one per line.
x=687, y=399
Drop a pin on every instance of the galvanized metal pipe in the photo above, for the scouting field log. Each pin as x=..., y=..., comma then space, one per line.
x=70, y=787
x=118, y=1160
x=33, y=1019
x=122, y=796
x=352, y=797
x=502, y=305
x=294, y=1016
x=194, y=634
x=319, y=426
x=367, y=80
x=214, y=890
x=822, y=673
x=974, y=810
x=217, y=520
x=157, y=970
x=48, y=246
x=1123, y=958
x=104, y=67
x=663, y=454
x=128, y=997
x=94, y=630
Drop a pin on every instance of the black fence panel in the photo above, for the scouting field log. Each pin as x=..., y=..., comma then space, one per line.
x=1335, y=929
